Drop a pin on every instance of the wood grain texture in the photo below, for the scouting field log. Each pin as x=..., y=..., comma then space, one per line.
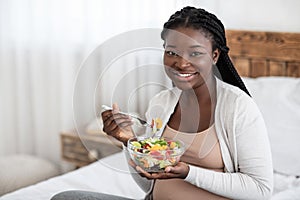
x=77, y=149
x=257, y=54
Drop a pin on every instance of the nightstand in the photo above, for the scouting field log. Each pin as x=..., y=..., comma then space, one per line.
x=84, y=149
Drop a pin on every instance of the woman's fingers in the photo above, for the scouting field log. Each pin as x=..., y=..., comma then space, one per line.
x=131, y=163
x=112, y=118
x=139, y=170
x=178, y=171
x=143, y=173
x=121, y=120
x=115, y=108
x=117, y=125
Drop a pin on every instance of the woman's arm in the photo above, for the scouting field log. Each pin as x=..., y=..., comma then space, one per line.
x=254, y=177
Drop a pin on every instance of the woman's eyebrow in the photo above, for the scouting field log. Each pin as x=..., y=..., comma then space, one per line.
x=196, y=46
x=171, y=46
x=192, y=46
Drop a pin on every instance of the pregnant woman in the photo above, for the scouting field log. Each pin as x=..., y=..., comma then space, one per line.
x=228, y=154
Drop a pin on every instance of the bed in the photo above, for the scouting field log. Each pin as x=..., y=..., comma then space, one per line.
x=269, y=63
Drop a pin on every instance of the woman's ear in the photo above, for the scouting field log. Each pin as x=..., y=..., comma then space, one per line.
x=215, y=56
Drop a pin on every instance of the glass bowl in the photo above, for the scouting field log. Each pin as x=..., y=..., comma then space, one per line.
x=155, y=154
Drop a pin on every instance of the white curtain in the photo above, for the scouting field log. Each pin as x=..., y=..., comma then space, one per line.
x=45, y=48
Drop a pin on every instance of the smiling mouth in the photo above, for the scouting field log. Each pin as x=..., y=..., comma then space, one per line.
x=185, y=75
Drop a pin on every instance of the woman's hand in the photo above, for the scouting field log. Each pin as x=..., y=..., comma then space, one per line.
x=180, y=170
x=117, y=125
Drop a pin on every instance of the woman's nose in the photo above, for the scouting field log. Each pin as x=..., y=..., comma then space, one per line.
x=183, y=62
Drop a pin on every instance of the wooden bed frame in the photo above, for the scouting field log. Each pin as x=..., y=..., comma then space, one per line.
x=256, y=54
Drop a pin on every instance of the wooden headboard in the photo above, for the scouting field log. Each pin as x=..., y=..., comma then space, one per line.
x=257, y=54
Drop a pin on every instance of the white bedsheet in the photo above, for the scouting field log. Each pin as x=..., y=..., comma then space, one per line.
x=109, y=175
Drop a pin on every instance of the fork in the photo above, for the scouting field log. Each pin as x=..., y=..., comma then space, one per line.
x=141, y=121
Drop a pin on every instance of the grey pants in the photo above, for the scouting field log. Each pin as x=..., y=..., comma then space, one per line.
x=85, y=195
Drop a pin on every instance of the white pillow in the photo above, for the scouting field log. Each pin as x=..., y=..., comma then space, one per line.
x=22, y=170
x=279, y=101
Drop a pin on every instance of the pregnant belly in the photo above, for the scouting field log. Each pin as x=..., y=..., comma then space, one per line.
x=179, y=189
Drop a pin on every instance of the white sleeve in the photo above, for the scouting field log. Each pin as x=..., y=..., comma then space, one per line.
x=254, y=177
x=145, y=184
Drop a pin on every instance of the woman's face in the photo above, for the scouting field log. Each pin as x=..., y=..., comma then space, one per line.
x=188, y=57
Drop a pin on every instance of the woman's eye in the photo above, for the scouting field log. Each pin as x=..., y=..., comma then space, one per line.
x=196, y=53
x=171, y=53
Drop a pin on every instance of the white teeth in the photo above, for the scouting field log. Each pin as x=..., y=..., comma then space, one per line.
x=185, y=75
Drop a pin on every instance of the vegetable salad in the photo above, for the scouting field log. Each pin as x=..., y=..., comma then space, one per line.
x=154, y=154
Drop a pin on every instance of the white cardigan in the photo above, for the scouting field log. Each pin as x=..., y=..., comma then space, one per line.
x=243, y=140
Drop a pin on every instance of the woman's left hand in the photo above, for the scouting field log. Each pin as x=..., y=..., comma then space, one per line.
x=180, y=170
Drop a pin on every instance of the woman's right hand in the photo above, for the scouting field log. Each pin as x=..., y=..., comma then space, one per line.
x=117, y=125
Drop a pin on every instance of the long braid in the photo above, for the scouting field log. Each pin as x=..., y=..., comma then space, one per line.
x=213, y=28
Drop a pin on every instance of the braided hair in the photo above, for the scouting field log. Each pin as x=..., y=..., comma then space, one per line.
x=214, y=30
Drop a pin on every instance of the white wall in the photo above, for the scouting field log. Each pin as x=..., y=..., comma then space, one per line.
x=261, y=15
